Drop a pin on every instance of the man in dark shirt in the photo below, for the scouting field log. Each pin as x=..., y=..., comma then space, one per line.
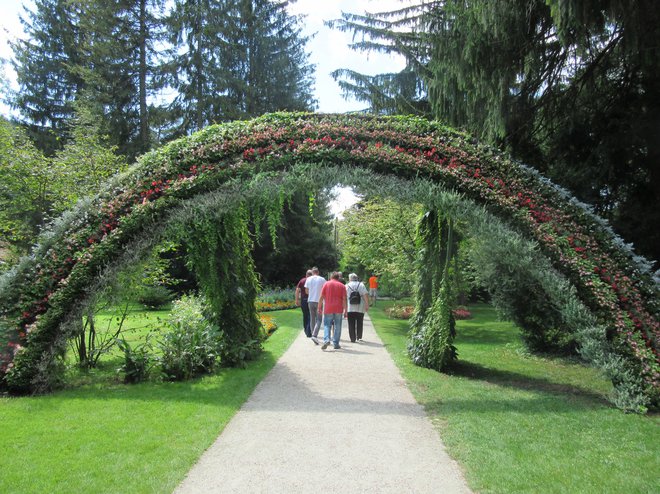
x=301, y=301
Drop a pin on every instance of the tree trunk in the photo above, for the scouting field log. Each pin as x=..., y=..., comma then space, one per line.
x=142, y=71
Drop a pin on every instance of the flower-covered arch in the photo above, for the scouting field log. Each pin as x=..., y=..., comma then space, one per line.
x=38, y=296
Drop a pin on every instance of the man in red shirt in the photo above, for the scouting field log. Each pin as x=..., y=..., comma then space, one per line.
x=333, y=304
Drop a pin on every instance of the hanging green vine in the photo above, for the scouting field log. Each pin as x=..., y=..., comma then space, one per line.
x=219, y=246
x=433, y=327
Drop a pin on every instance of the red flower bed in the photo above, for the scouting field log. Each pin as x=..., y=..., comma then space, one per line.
x=462, y=313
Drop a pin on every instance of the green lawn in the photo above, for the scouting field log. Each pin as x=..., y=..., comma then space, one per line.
x=515, y=422
x=110, y=437
x=521, y=423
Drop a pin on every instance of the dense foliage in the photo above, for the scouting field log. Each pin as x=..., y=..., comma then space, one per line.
x=25, y=194
x=571, y=86
x=218, y=247
x=378, y=236
x=153, y=69
x=432, y=327
x=302, y=239
x=35, y=188
x=224, y=166
x=191, y=344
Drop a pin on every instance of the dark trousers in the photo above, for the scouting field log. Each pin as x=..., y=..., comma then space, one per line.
x=355, y=324
x=305, y=311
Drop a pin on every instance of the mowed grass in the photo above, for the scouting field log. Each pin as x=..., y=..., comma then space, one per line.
x=519, y=423
x=115, y=438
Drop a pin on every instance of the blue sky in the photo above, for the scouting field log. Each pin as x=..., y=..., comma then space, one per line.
x=328, y=50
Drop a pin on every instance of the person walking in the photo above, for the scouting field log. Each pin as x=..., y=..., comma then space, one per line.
x=343, y=282
x=313, y=286
x=301, y=301
x=373, y=288
x=333, y=305
x=358, y=304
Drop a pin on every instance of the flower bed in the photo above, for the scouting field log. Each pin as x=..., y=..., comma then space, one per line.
x=263, y=306
x=400, y=311
x=462, y=312
x=268, y=324
x=276, y=299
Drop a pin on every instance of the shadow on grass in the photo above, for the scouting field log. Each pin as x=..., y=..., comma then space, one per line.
x=287, y=391
x=484, y=336
x=514, y=380
x=227, y=386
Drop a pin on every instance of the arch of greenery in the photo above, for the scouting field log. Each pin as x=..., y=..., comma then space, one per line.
x=229, y=171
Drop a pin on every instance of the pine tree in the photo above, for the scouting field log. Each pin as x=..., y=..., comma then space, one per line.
x=42, y=63
x=121, y=66
x=236, y=59
x=399, y=32
x=570, y=86
x=274, y=71
x=194, y=28
x=94, y=50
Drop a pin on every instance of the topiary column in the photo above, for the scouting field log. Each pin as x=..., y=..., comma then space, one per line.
x=218, y=246
x=433, y=326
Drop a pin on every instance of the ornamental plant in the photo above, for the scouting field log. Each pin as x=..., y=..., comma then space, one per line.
x=400, y=311
x=191, y=344
x=462, y=312
x=268, y=324
x=43, y=290
x=275, y=299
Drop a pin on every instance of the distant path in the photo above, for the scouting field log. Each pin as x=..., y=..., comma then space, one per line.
x=334, y=421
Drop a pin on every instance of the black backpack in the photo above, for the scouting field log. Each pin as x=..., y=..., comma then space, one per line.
x=354, y=295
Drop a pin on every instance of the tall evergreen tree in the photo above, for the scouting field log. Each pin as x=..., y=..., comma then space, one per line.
x=196, y=32
x=398, y=32
x=43, y=61
x=96, y=50
x=274, y=73
x=570, y=86
x=122, y=69
x=237, y=59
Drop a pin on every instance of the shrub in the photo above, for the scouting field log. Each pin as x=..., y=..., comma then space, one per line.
x=526, y=289
x=239, y=353
x=155, y=296
x=462, y=312
x=137, y=360
x=400, y=311
x=430, y=343
x=192, y=344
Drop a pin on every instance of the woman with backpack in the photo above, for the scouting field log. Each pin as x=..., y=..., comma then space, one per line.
x=358, y=303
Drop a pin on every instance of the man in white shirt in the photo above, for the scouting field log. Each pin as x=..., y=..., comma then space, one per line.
x=313, y=287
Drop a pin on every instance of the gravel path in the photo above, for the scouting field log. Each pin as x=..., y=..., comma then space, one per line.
x=340, y=421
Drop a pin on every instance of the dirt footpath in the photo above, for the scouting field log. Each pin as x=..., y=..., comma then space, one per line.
x=333, y=421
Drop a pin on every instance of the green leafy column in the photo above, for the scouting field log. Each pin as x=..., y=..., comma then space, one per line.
x=219, y=253
x=432, y=328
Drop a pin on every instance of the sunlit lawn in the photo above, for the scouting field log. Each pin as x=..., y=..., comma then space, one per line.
x=515, y=422
x=108, y=437
x=521, y=423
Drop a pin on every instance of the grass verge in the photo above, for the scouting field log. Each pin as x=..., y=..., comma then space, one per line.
x=118, y=438
x=522, y=423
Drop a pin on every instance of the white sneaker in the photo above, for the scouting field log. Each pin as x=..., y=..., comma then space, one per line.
x=315, y=340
